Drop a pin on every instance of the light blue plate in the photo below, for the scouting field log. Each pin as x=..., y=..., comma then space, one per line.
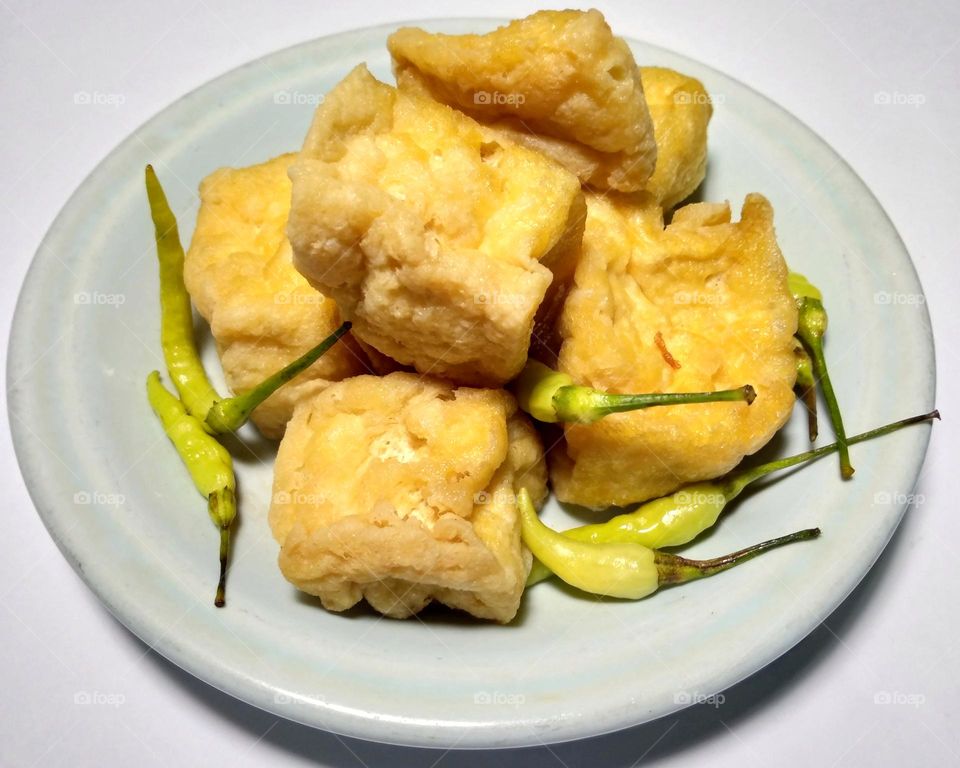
x=115, y=498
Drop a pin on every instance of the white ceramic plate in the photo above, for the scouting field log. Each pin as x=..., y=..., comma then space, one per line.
x=116, y=500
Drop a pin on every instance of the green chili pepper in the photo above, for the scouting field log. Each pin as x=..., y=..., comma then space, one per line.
x=806, y=389
x=231, y=413
x=626, y=569
x=682, y=516
x=551, y=396
x=811, y=327
x=176, y=315
x=208, y=462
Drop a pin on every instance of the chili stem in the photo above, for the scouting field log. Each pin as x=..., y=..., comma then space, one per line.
x=736, y=482
x=231, y=413
x=674, y=569
x=812, y=326
x=806, y=389
x=585, y=405
x=220, y=600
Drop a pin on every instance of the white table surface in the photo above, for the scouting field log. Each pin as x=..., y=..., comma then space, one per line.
x=896, y=638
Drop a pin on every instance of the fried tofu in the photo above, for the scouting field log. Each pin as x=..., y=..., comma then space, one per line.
x=442, y=245
x=558, y=82
x=680, y=108
x=402, y=490
x=263, y=314
x=702, y=304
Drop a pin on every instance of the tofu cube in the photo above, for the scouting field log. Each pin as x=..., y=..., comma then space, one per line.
x=680, y=108
x=263, y=314
x=559, y=82
x=699, y=305
x=441, y=244
x=402, y=490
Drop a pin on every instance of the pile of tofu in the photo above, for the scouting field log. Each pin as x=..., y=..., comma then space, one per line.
x=506, y=199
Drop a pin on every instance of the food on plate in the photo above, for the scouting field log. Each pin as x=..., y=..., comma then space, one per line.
x=401, y=490
x=208, y=462
x=495, y=222
x=191, y=420
x=678, y=519
x=263, y=314
x=700, y=304
x=680, y=109
x=558, y=82
x=626, y=569
x=550, y=396
x=811, y=327
x=435, y=240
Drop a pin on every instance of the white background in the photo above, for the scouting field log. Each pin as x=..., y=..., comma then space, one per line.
x=898, y=634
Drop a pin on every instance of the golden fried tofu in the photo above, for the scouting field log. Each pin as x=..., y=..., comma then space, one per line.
x=263, y=314
x=441, y=244
x=699, y=305
x=557, y=81
x=680, y=108
x=401, y=490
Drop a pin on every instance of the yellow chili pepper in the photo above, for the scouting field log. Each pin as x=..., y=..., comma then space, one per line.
x=551, y=396
x=176, y=314
x=679, y=518
x=208, y=462
x=626, y=569
x=800, y=286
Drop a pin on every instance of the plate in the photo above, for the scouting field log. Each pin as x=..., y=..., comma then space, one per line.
x=115, y=499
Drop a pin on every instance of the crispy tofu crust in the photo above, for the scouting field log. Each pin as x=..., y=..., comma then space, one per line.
x=558, y=82
x=704, y=294
x=401, y=490
x=439, y=242
x=680, y=108
x=263, y=314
